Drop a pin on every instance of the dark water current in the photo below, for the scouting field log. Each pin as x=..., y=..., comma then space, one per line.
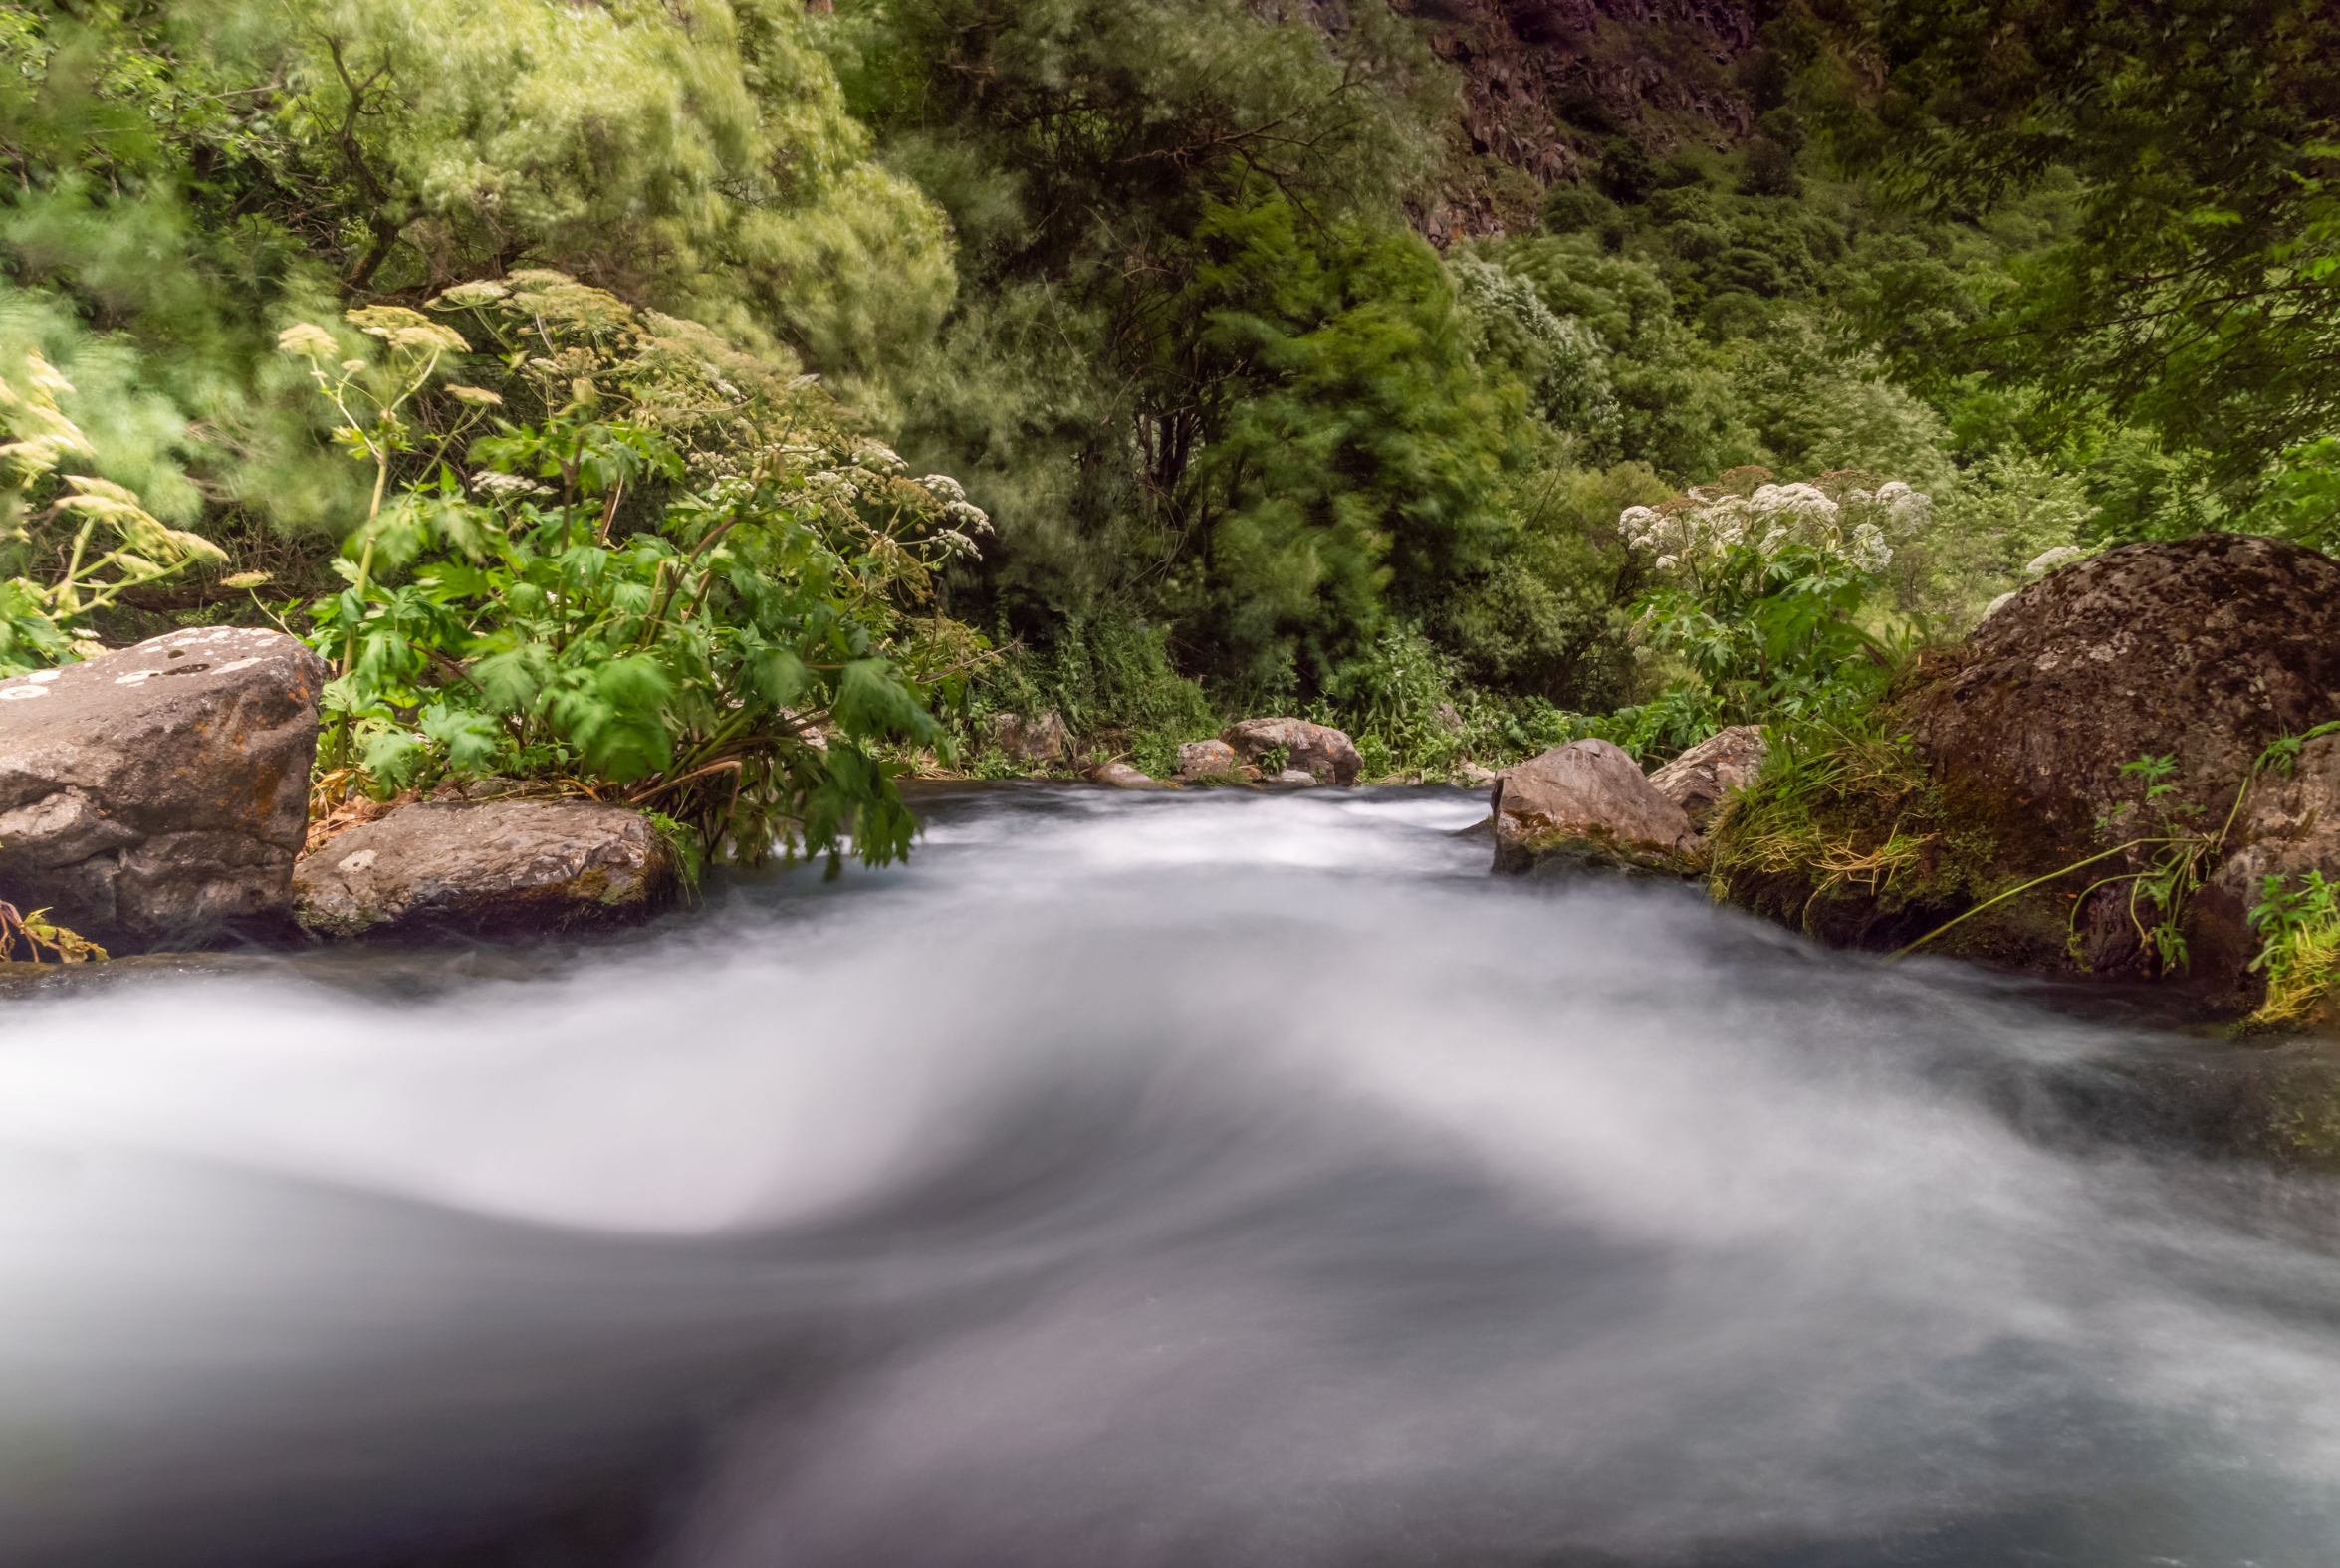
x=1201, y=1181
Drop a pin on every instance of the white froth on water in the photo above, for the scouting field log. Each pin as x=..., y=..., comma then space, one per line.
x=1142, y=1180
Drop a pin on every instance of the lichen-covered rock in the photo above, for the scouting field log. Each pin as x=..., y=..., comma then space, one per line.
x=2204, y=649
x=156, y=797
x=1586, y=802
x=2287, y=825
x=1700, y=777
x=496, y=868
x=1324, y=753
x=1206, y=759
x=2201, y=651
x=1037, y=739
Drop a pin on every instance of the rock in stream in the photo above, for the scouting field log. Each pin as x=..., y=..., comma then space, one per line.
x=156, y=797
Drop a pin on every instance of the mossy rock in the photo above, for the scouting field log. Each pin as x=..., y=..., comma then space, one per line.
x=2005, y=762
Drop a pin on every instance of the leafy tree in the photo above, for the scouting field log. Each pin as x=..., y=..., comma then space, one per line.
x=190, y=175
x=1081, y=147
x=1550, y=617
x=1356, y=442
x=1675, y=411
x=699, y=161
x=2197, y=292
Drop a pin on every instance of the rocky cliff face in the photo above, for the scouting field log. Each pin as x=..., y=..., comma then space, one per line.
x=1547, y=83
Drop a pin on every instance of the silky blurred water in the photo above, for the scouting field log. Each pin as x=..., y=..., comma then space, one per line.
x=1140, y=1180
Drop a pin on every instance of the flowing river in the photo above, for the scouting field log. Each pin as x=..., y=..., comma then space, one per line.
x=1141, y=1181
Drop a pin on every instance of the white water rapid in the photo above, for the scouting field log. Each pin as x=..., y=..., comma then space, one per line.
x=1192, y=1181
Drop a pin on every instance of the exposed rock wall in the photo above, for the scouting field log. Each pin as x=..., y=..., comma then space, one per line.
x=1657, y=70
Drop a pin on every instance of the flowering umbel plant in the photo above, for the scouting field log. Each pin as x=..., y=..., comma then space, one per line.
x=1699, y=530
x=1763, y=582
x=70, y=544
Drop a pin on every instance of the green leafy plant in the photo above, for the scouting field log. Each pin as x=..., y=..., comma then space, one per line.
x=2299, y=944
x=2282, y=754
x=708, y=670
x=373, y=405
x=37, y=934
x=1764, y=588
x=670, y=592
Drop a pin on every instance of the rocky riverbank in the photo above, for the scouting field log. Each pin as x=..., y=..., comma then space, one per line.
x=2105, y=780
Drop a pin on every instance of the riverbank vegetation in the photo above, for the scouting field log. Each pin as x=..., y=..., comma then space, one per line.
x=731, y=407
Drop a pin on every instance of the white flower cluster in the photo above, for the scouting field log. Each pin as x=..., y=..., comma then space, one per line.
x=1908, y=508
x=508, y=486
x=966, y=519
x=1774, y=517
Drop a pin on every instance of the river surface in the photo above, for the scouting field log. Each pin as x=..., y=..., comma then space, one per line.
x=1197, y=1180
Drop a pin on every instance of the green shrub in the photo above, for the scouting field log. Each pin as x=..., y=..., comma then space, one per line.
x=2299, y=952
x=1110, y=678
x=683, y=593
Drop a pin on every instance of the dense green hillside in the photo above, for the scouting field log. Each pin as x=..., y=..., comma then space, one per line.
x=1143, y=288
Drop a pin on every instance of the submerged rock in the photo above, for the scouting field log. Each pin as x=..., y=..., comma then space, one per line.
x=498, y=869
x=1324, y=753
x=1586, y=802
x=156, y=797
x=1700, y=777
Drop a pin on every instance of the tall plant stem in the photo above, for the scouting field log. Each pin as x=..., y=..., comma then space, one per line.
x=2026, y=888
x=381, y=477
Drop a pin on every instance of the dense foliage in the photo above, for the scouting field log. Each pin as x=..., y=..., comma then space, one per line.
x=545, y=365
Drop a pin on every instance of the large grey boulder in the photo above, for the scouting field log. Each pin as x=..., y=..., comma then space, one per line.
x=1324, y=753
x=156, y=797
x=2204, y=649
x=1700, y=777
x=493, y=868
x=1586, y=802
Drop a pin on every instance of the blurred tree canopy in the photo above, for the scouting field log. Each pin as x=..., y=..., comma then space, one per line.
x=2199, y=291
